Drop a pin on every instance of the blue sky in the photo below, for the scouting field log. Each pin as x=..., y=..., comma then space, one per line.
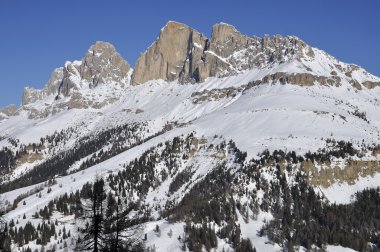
x=38, y=36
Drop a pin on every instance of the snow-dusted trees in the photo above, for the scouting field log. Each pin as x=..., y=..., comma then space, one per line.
x=107, y=225
x=120, y=138
x=7, y=160
x=4, y=237
x=93, y=217
x=122, y=232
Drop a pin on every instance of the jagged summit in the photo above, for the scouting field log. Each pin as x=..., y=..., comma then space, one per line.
x=183, y=55
x=102, y=64
x=225, y=39
x=181, y=52
x=173, y=23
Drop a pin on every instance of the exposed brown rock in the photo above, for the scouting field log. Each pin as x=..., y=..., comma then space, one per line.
x=371, y=84
x=166, y=57
x=352, y=170
x=225, y=40
x=356, y=84
x=301, y=79
x=102, y=64
x=54, y=81
x=216, y=94
x=182, y=53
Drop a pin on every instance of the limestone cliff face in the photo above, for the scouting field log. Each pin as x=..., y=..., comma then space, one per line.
x=183, y=53
x=31, y=95
x=171, y=56
x=225, y=40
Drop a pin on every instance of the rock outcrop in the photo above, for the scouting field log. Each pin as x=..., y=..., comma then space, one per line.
x=300, y=79
x=225, y=40
x=9, y=110
x=182, y=53
x=216, y=94
x=31, y=95
x=101, y=65
x=371, y=84
x=173, y=55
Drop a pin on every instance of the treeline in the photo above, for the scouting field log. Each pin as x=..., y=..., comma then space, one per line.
x=234, y=187
x=139, y=175
x=8, y=158
x=301, y=216
x=210, y=200
x=120, y=137
x=42, y=234
x=305, y=219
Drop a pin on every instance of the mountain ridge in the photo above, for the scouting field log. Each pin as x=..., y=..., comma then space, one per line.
x=203, y=61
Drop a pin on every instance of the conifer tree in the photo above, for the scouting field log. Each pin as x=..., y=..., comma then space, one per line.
x=93, y=232
x=5, y=241
x=117, y=223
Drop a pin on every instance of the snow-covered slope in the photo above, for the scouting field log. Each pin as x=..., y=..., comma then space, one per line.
x=299, y=104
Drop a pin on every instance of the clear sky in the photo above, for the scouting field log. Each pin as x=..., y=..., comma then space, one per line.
x=38, y=36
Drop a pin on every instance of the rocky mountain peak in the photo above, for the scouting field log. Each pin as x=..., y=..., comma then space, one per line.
x=225, y=40
x=71, y=78
x=103, y=64
x=181, y=53
x=166, y=57
x=184, y=54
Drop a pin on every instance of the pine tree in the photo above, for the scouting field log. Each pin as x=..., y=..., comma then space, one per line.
x=5, y=240
x=93, y=232
x=116, y=222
